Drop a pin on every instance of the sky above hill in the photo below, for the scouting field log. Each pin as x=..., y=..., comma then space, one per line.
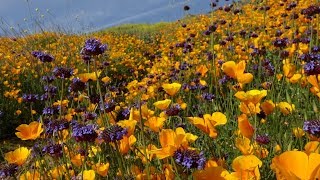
x=88, y=15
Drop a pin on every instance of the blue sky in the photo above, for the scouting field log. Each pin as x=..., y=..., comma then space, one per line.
x=89, y=15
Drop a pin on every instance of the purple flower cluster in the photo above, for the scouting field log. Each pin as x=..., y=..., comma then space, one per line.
x=53, y=126
x=62, y=72
x=173, y=110
x=310, y=11
x=113, y=133
x=49, y=111
x=43, y=57
x=54, y=150
x=189, y=158
x=76, y=85
x=312, y=127
x=263, y=139
x=281, y=43
x=312, y=68
x=89, y=116
x=84, y=132
x=8, y=171
x=93, y=47
x=30, y=97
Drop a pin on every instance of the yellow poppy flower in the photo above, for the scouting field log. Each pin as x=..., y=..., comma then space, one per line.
x=286, y=108
x=298, y=132
x=18, y=156
x=253, y=96
x=162, y=105
x=172, y=88
x=85, y=77
x=87, y=175
x=296, y=165
x=29, y=132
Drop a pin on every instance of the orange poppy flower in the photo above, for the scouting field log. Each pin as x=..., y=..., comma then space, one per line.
x=155, y=123
x=312, y=147
x=246, y=167
x=296, y=165
x=236, y=71
x=34, y=175
x=29, y=132
x=101, y=168
x=289, y=70
x=126, y=143
x=246, y=129
x=18, y=156
x=314, y=81
x=172, y=140
x=208, y=122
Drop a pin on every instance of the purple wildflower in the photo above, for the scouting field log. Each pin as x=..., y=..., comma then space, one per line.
x=312, y=127
x=43, y=57
x=30, y=97
x=93, y=47
x=189, y=158
x=84, y=132
x=113, y=133
x=62, y=72
x=54, y=150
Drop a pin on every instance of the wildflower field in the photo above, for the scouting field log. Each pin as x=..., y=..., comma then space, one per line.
x=232, y=94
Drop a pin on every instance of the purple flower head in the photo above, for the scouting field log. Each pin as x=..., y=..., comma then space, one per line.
x=53, y=126
x=312, y=68
x=48, y=79
x=89, y=116
x=62, y=72
x=51, y=89
x=281, y=43
x=30, y=97
x=43, y=57
x=109, y=106
x=312, y=127
x=173, y=110
x=113, y=133
x=50, y=111
x=8, y=171
x=263, y=139
x=54, y=150
x=76, y=85
x=189, y=158
x=84, y=132
x=93, y=47
x=208, y=96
